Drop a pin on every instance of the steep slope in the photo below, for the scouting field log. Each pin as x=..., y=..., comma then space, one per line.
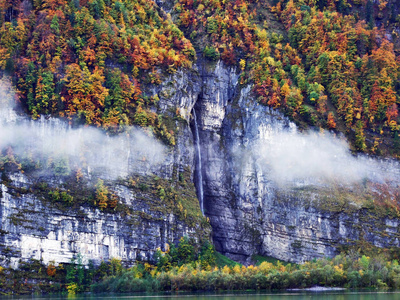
x=262, y=75
x=308, y=213
x=329, y=64
x=54, y=205
x=68, y=189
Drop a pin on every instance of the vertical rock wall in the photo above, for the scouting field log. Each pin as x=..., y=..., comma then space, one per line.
x=250, y=213
x=35, y=229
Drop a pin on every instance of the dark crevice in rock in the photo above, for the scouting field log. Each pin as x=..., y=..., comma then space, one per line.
x=198, y=161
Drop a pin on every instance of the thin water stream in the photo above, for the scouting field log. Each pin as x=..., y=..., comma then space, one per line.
x=199, y=172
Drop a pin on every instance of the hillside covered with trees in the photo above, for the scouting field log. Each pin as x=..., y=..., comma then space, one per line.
x=328, y=64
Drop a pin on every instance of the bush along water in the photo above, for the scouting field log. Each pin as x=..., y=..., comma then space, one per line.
x=34, y=277
x=183, y=268
x=189, y=266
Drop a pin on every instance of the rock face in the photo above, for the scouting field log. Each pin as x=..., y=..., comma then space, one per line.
x=35, y=229
x=248, y=211
x=252, y=214
x=32, y=230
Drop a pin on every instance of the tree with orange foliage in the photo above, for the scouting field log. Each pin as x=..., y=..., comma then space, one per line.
x=331, y=121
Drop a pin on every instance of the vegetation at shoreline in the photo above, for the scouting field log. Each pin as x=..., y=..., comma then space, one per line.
x=341, y=271
x=35, y=277
x=190, y=266
x=174, y=272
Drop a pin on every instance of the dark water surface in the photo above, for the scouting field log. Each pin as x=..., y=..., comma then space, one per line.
x=290, y=295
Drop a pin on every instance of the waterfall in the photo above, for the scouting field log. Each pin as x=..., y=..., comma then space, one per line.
x=198, y=164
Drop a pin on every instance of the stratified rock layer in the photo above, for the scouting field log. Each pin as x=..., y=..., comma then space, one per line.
x=35, y=229
x=249, y=213
x=252, y=214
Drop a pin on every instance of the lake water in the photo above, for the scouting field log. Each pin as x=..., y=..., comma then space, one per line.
x=292, y=295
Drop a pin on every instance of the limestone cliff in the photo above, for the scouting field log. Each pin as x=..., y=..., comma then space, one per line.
x=249, y=212
x=35, y=227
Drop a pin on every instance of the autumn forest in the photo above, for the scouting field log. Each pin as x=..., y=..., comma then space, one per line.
x=325, y=63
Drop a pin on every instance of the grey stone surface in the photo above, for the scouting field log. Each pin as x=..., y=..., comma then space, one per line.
x=32, y=229
x=249, y=213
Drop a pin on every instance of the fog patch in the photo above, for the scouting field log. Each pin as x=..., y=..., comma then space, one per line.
x=310, y=158
x=52, y=144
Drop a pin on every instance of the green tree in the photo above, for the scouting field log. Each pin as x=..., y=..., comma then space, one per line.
x=101, y=194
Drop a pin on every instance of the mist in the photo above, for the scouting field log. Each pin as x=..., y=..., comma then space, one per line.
x=286, y=157
x=53, y=145
x=318, y=158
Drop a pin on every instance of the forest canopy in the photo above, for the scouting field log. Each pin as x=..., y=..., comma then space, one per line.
x=325, y=63
x=90, y=58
